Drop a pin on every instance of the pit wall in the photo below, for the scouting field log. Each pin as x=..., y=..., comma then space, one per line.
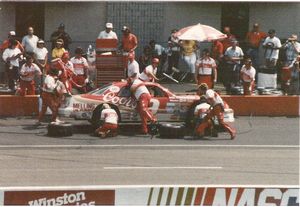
x=11, y=105
x=152, y=196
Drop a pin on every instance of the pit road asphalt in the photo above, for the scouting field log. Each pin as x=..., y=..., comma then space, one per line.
x=265, y=152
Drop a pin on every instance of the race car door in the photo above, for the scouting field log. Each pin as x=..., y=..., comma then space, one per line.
x=158, y=102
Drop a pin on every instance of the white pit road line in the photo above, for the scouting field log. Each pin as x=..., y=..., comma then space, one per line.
x=161, y=168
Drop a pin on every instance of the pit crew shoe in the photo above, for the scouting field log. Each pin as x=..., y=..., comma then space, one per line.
x=233, y=134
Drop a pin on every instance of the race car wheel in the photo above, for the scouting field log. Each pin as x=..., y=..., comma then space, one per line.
x=60, y=129
x=171, y=130
x=190, y=120
x=95, y=120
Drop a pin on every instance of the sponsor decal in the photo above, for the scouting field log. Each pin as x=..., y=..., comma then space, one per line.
x=59, y=198
x=125, y=101
x=86, y=107
x=114, y=89
x=224, y=196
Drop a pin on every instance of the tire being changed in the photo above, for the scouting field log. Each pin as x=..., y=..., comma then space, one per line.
x=172, y=131
x=60, y=130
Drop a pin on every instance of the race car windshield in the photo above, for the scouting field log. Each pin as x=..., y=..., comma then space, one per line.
x=100, y=90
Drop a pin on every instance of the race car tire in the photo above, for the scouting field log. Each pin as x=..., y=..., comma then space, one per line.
x=95, y=120
x=171, y=130
x=60, y=129
x=190, y=121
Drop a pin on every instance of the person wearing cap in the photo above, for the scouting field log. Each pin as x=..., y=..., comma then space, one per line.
x=133, y=69
x=61, y=34
x=59, y=49
x=110, y=122
x=206, y=70
x=248, y=77
x=81, y=67
x=129, y=41
x=29, y=41
x=11, y=36
x=108, y=33
x=149, y=73
x=11, y=56
x=292, y=49
x=217, y=109
x=50, y=95
x=272, y=45
x=233, y=56
x=27, y=74
x=253, y=40
x=41, y=56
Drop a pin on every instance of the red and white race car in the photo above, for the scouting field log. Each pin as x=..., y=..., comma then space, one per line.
x=166, y=105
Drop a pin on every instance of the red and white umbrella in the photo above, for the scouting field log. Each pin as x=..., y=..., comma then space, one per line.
x=200, y=32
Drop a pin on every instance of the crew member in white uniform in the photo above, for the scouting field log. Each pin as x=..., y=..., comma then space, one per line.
x=248, y=77
x=133, y=69
x=149, y=73
x=110, y=125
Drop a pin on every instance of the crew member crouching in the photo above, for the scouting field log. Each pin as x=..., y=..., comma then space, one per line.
x=51, y=95
x=206, y=70
x=110, y=125
x=149, y=73
x=248, y=77
x=217, y=110
x=142, y=95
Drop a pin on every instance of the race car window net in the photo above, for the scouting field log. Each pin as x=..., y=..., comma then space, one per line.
x=101, y=90
x=124, y=92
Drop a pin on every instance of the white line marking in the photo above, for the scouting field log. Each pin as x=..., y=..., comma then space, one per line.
x=143, y=146
x=158, y=168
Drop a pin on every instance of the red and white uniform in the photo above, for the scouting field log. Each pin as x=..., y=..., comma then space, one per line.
x=110, y=118
x=206, y=67
x=149, y=69
x=81, y=69
x=27, y=74
x=248, y=77
x=133, y=67
x=49, y=97
x=217, y=110
x=66, y=72
x=143, y=97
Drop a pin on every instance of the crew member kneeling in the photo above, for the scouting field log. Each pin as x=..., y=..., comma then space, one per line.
x=248, y=77
x=110, y=125
x=217, y=110
x=142, y=95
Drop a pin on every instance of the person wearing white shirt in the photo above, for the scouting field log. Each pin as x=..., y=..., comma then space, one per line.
x=29, y=41
x=11, y=56
x=108, y=33
x=110, y=118
x=149, y=73
x=292, y=49
x=248, y=77
x=133, y=70
x=272, y=45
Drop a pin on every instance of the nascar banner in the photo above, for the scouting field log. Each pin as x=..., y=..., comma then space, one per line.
x=155, y=196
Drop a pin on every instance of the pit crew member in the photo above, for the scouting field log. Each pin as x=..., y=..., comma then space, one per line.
x=248, y=77
x=149, y=73
x=110, y=125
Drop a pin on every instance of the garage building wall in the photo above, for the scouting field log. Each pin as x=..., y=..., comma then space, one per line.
x=7, y=19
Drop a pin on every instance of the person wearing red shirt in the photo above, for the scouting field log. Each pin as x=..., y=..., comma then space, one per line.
x=227, y=41
x=6, y=43
x=253, y=39
x=129, y=41
x=217, y=51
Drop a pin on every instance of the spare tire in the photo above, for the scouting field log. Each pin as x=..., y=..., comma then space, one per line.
x=60, y=129
x=171, y=130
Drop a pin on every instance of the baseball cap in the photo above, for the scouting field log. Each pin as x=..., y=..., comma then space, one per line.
x=12, y=33
x=109, y=25
x=41, y=41
x=60, y=41
x=271, y=31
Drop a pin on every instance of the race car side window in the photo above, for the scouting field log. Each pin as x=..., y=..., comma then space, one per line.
x=156, y=91
x=124, y=92
x=101, y=90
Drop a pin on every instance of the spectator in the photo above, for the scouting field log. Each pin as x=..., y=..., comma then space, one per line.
x=108, y=33
x=189, y=57
x=149, y=74
x=217, y=51
x=156, y=49
x=110, y=118
x=129, y=41
x=294, y=88
x=145, y=58
x=173, y=58
x=248, y=77
x=253, y=40
x=272, y=45
x=11, y=57
x=292, y=49
x=206, y=70
x=81, y=69
x=61, y=34
x=41, y=59
x=29, y=41
x=227, y=41
x=233, y=56
x=133, y=67
x=59, y=50
x=6, y=43
x=27, y=74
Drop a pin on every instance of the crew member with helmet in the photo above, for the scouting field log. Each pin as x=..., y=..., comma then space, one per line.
x=206, y=70
x=27, y=74
x=110, y=125
x=51, y=95
x=142, y=95
x=149, y=73
x=217, y=105
x=81, y=66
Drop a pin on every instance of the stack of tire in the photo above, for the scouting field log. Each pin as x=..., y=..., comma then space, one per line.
x=60, y=129
x=172, y=130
